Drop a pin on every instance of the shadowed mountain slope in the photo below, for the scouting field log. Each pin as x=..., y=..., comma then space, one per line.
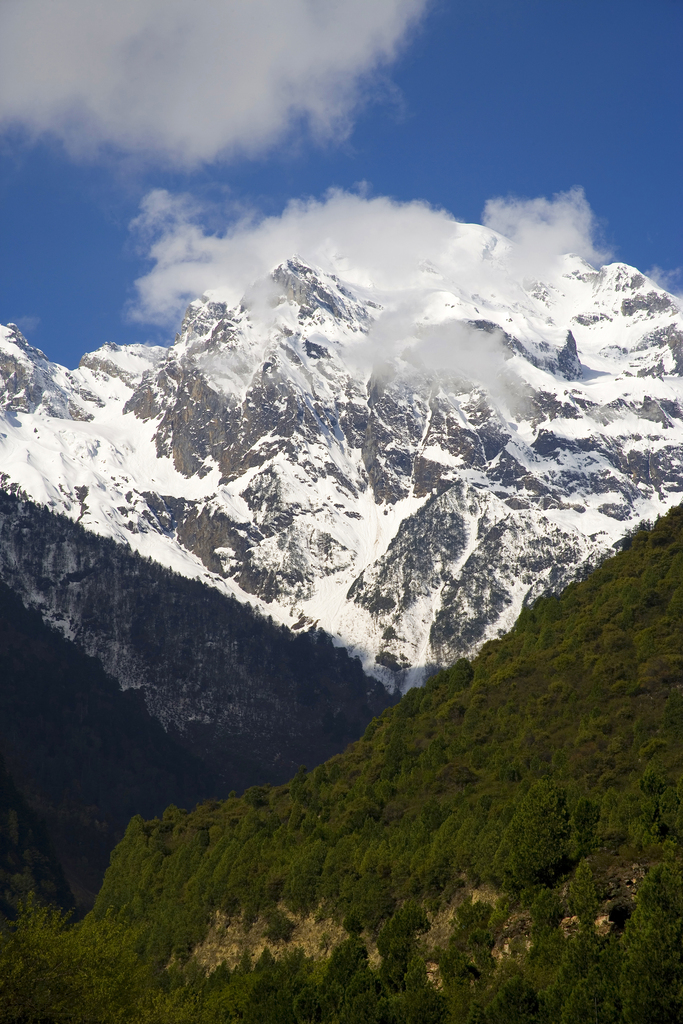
x=28, y=863
x=250, y=698
x=84, y=754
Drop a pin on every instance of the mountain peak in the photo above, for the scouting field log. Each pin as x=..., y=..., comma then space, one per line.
x=403, y=465
x=318, y=293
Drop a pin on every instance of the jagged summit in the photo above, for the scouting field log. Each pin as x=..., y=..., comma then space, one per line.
x=318, y=293
x=402, y=463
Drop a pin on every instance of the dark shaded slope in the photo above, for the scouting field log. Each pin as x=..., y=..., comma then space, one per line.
x=564, y=737
x=28, y=863
x=250, y=698
x=85, y=755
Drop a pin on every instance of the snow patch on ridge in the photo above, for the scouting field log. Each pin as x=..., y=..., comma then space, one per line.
x=402, y=468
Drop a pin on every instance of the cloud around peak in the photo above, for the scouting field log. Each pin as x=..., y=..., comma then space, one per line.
x=542, y=228
x=191, y=82
x=373, y=242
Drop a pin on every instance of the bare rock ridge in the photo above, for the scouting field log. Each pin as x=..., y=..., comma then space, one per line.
x=403, y=467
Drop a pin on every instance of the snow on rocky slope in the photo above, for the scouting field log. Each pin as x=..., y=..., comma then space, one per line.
x=402, y=468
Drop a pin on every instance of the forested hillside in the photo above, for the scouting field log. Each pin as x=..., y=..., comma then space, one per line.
x=503, y=845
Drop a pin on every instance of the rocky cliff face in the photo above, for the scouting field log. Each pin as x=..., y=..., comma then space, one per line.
x=403, y=469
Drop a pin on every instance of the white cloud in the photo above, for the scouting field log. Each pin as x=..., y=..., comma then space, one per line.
x=27, y=324
x=670, y=280
x=368, y=242
x=412, y=257
x=454, y=346
x=544, y=228
x=191, y=81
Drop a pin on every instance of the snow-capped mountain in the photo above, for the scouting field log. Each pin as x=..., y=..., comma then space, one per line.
x=403, y=468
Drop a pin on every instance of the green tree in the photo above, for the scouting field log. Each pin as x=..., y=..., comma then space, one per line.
x=397, y=941
x=515, y=1003
x=460, y=675
x=584, y=822
x=350, y=992
x=583, y=899
x=471, y=934
x=422, y=1004
x=50, y=972
x=538, y=836
x=588, y=981
x=548, y=941
x=652, y=979
x=307, y=1006
x=652, y=786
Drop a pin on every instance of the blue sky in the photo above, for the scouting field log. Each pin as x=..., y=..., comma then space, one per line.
x=457, y=103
